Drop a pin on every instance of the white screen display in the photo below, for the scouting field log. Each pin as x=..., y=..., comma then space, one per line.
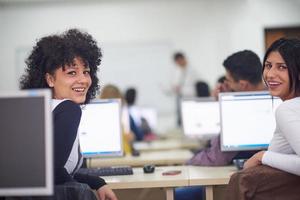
x=247, y=120
x=200, y=118
x=100, y=129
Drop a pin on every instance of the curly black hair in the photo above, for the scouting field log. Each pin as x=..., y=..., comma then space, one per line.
x=55, y=51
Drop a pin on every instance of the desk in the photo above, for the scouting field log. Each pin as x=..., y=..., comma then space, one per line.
x=171, y=157
x=210, y=176
x=168, y=144
x=155, y=180
x=190, y=176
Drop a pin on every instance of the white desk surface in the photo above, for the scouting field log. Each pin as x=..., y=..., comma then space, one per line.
x=167, y=144
x=141, y=180
x=170, y=157
x=189, y=176
x=199, y=175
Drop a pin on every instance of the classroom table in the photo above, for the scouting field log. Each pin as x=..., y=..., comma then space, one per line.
x=189, y=176
x=154, y=180
x=168, y=144
x=210, y=177
x=167, y=157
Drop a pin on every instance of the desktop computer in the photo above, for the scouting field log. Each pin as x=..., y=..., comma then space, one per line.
x=200, y=117
x=100, y=135
x=100, y=130
x=247, y=120
x=26, y=144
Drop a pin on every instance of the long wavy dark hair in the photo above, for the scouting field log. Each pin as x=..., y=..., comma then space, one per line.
x=55, y=51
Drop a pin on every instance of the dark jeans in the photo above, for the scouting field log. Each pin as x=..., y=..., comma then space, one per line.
x=190, y=193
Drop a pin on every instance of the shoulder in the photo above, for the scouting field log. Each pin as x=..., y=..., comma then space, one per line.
x=67, y=106
x=288, y=110
x=291, y=105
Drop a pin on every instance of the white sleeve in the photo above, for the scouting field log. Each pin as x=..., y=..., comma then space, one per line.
x=288, y=121
x=285, y=162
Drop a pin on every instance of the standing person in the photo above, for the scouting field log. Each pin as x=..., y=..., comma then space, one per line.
x=243, y=73
x=183, y=81
x=281, y=73
x=67, y=64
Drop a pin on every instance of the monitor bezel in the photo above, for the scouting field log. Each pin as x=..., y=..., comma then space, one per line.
x=108, y=154
x=227, y=148
x=48, y=189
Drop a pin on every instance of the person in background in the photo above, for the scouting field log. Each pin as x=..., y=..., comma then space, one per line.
x=202, y=89
x=182, y=81
x=281, y=180
x=221, y=86
x=137, y=117
x=243, y=73
x=67, y=64
x=110, y=91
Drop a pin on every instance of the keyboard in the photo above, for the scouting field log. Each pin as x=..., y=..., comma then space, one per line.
x=107, y=171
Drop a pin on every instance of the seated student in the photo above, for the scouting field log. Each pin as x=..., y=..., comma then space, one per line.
x=202, y=89
x=67, y=64
x=111, y=91
x=281, y=180
x=221, y=86
x=243, y=73
x=138, y=119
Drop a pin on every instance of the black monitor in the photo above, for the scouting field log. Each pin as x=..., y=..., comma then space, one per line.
x=26, y=155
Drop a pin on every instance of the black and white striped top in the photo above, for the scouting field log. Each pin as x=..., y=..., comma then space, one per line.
x=67, y=155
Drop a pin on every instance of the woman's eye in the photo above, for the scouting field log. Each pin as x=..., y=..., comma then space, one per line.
x=282, y=67
x=86, y=72
x=268, y=66
x=72, y=73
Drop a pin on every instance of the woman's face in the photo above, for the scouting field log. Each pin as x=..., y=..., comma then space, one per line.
x=277, y=77
x=71, y=83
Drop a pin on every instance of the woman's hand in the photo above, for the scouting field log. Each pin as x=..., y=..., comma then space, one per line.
x=105, y=193
x=255, y=160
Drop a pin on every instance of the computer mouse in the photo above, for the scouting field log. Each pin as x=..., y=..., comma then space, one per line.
x=239, y=163
x=149, y=169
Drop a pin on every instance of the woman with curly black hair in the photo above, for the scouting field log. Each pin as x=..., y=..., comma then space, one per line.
x=67, y=64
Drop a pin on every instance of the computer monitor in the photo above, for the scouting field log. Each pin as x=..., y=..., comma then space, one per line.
x=247, y=120
x=200, y=117
x=100, y=131
x=26, y=144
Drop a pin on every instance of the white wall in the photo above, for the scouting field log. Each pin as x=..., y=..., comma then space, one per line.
x=207, y=31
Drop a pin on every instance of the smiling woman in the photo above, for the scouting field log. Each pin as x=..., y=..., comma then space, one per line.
x=67, y=64
x=281, y=73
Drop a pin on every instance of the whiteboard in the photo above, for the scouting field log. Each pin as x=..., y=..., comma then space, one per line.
x=145, y=66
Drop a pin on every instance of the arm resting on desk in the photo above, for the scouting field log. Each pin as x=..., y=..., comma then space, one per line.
x=212, y=156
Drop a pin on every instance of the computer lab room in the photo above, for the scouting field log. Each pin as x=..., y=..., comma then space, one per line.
x=150, y=100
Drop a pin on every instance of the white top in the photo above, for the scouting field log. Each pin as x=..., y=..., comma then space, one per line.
x=284, y=149
x=185, y=79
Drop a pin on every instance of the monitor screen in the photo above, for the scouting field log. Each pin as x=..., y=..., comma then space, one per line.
x=26, y=167
x=247, y=120
x=200, y=117
x=100, y=131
